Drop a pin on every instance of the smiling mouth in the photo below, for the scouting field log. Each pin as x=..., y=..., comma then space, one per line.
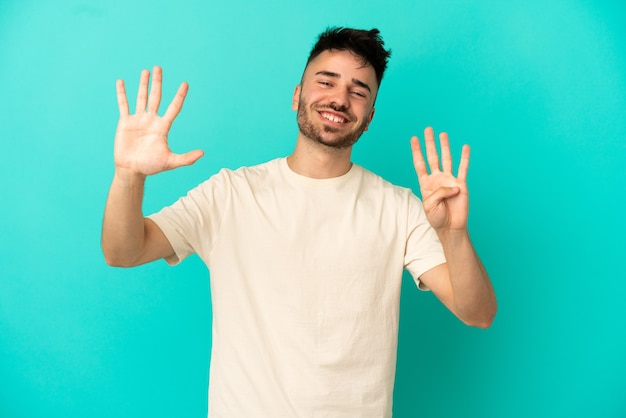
x=332, y=117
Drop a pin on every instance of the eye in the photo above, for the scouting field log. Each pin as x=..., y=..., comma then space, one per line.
x=359, y=93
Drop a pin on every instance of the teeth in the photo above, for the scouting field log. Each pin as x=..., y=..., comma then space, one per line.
x=333, y=118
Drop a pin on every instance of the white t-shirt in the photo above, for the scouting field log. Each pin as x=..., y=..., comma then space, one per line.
x=305, y=285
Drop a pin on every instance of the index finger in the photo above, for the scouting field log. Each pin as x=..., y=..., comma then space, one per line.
x=122, y=101
x=177, y=103
x=418, y=157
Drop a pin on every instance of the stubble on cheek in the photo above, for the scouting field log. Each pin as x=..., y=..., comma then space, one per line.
x=314, y=133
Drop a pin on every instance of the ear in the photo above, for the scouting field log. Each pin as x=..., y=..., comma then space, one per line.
x=370, y=119
x=296, y=97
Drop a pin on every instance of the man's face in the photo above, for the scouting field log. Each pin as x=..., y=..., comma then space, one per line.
x=335, y=101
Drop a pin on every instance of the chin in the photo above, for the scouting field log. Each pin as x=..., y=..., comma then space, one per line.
x=338, y=144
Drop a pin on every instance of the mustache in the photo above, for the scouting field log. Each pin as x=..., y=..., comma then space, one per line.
x=337, y=108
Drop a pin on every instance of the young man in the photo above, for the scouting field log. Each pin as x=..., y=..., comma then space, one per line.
x=306, y=253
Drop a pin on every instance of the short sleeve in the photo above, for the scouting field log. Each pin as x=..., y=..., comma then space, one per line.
x=192, y=223
x=423, y=248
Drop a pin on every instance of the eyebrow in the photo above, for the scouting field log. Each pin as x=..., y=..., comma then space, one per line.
x=337, y=75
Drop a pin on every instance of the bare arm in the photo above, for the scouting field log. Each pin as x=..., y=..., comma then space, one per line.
x=141, y=149
x=462, y=284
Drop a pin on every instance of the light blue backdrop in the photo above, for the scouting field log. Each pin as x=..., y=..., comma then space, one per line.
x=538, y=88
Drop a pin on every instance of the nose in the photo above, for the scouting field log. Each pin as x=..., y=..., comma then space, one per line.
x=339, y=100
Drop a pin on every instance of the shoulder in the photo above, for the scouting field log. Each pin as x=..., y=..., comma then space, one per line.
x=378, y=184
x=242, y=175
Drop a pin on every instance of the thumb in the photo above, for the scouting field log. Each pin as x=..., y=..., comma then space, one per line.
x=440, y=195
x=445, y=192
x=188, y=158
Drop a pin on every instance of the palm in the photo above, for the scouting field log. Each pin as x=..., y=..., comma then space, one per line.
x=141, y=144
x=141, y=140
x=445, y=197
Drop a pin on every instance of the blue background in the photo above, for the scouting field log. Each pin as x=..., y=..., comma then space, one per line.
x=537, y=88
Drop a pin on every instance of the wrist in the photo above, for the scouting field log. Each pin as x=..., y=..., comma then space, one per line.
x=129, y=177
x=453, y=236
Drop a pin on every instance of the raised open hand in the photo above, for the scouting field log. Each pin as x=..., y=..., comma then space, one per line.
x=141, y=144
x=445, y=197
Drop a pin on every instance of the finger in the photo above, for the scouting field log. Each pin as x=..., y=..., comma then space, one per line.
x=418, y=157
x=177, y=103
x=155, y=92
x=431, y=149
x=446, y=159
x=122, y=101
x=464, y=164
x=142, y=93
x=188, y=158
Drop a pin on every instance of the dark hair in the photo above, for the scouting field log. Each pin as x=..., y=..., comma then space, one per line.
x=367, y=44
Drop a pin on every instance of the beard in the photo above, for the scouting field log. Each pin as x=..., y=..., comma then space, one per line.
x=316, y=133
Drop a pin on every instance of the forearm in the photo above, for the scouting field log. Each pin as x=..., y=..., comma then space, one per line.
x=123, y=228
x=474, y=297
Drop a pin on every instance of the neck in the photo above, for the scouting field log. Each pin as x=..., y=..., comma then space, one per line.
x=319, y=161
